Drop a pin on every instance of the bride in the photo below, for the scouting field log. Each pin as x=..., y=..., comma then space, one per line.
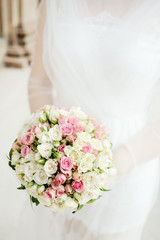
x=103, y=56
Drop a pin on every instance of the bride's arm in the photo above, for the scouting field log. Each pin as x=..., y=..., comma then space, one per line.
x=142, y=148
x=39, y=85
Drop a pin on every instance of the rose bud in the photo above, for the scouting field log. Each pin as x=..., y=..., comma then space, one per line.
x=78, y=186
x=55, y=185
x=77, y=176
x=50, y=193
x=68, y=189
x=61, y=178
x=60, y=191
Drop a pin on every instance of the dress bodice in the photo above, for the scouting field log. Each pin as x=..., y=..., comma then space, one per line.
x=105, y=64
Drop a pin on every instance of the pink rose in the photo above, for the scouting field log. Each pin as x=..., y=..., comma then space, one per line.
x=78, y=128
x=95, y=152
x=78, y=186
x=36, y=129
x=25, y=150
x=60, y=190
x=55, y=185
x=72, y=120
x=67, y=129
x=62, y=120
x=50, y=193
x=61, y=148
x=87, y=148
x=68, y=189
x=66, y=163
x=28, y=139
x=68, y=175
x=29, y=130
x=77, y=176
x=61, y=178
x=71, y=138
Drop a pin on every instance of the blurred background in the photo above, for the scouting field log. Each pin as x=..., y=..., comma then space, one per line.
x=18, y=20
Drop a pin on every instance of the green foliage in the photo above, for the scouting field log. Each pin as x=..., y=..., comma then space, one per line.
x=54, y=153
x=80, y=206
x=11, y=166
x=10, y=153
x=22, y=187
x=105, y=190
x=93, y=200
x=34, y=200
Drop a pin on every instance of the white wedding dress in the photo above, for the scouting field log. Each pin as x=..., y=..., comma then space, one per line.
x=105, y=58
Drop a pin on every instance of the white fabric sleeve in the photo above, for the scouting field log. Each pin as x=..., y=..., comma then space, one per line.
x=143, y=147
x=39, y=85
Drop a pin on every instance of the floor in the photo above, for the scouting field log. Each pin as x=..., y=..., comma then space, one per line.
x=14, y=110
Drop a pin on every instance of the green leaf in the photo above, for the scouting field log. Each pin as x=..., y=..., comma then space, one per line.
x=80, y=206
x=101, y=170
x=111, y=144
x=54, y=153
x=15, y=140
x=36, y=142
x=22, y=187
x=105, y=190
x=12, y=166
x=30, y=184
x=54, y=122
x=10, y=153
x=34, y=147
x=34, y=200
x=93, y=200
x=19, y=150
x=41, y=161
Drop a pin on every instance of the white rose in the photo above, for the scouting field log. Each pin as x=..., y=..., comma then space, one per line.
x=111, y=172
x=44, y=200
x=55, y=133
x=78, y=144
x=29, y=157
x=77, y=112
x=89, y=127
x=61, y=198
x=84, y=197
x=53, y=114
x=32, y=190
x=84, y=136
x=40, y=177
x=30, y=169
x=45, y=149
x=67, y=150
x=37, y=156
x=91, y=180
x=86, y=163
x=63, y=112
x=70, y=203
x=20, y=169
x=73, y=153
x=15, y=157
x=50, y=167
x=43, y=137
x=106, y=144
x=102, y=161
x=96, y=144
x=58, y=207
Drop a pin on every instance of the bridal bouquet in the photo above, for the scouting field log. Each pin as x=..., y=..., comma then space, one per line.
x=62, y=158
